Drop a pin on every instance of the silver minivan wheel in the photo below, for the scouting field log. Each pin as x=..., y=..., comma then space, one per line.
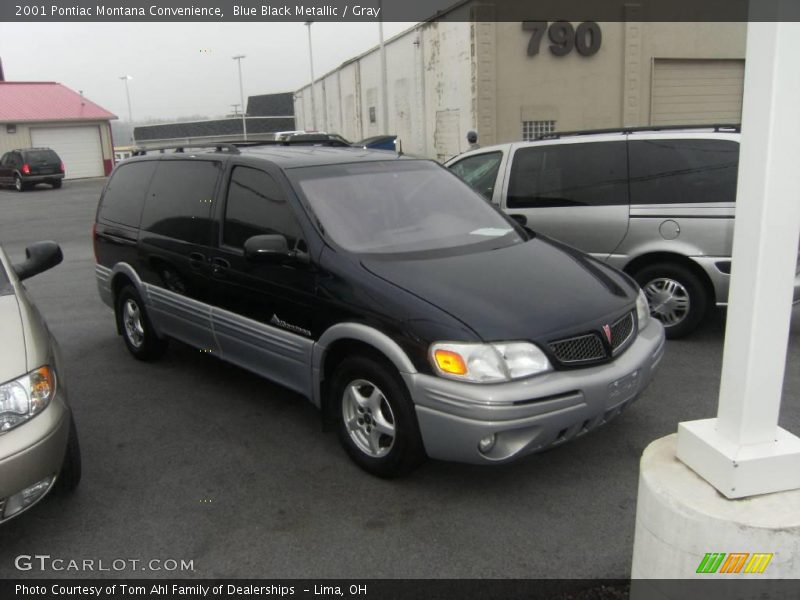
x=669, y=300
x=368, y=418
x=132, y=319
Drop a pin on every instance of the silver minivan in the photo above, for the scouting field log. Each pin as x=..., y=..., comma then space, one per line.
x=657, y=204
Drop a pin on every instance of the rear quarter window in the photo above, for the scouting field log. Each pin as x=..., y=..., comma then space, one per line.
x=179, y=201
x=124, y=196
x=683, y=171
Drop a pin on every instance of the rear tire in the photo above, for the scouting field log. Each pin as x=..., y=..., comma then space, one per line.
x=376, y=420
x=137, y=330
x=19, y=185
x=56, y=183
x=70, y=475
x=676, y=295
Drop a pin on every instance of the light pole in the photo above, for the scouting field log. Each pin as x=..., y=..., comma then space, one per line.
x=238, y=58
x=384, y=85
x=311, y=64
x=127, y=78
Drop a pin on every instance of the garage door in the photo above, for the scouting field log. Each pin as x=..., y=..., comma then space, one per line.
x=78, y=147
x=695, y=92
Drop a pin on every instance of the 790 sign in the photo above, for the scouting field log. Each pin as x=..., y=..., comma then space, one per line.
x=586, y=39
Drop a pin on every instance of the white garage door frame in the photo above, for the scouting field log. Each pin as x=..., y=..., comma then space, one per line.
x=79, y=146
x=694, y=91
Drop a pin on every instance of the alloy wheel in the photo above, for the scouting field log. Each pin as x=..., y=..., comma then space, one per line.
x=368, y=418
x=132, y=319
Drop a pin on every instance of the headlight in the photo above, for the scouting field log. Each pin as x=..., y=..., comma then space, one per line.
x=642, y=310
x=25, y=397
x=488, y=363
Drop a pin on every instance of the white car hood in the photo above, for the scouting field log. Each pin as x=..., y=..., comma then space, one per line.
x=12, y=348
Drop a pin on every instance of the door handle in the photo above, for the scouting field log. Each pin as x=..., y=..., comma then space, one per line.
x=219, y=266
x=196, y=259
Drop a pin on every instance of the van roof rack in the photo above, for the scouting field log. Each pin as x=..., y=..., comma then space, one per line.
x=180, y=148
x=716, y=127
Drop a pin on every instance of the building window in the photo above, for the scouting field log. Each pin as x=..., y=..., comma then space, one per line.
x=535, y=129
x=372, y=118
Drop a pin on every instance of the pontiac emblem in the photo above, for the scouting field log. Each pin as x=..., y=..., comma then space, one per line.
x=607, y=331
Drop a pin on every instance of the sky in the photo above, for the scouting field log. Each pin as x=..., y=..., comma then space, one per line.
x=179, y=69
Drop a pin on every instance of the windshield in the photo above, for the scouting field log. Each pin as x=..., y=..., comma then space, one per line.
x=399, y=206
x=5, y=284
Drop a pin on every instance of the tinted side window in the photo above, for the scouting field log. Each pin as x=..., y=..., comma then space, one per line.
x=593, y=174
x=179, y=202
x=6, y=159
x=678, y=171
x=124, y=197
x=256, y=206
x=479, y=171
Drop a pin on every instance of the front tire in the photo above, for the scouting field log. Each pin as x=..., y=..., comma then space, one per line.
x=677, y=297
x=19, y=185
x=137, y=330
x=70, y=475
x=377, y=423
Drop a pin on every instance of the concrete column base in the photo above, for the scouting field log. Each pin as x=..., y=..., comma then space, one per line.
x=680, y=518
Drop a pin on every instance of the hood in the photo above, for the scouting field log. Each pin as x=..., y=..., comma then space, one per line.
x=12, y=350
x=539, y=289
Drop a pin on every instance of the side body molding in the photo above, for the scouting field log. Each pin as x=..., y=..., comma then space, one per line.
x=362, y=333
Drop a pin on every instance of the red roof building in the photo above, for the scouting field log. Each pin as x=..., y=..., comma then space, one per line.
x=49, y=114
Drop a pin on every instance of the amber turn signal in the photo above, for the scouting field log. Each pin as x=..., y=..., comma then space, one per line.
x=450, y=362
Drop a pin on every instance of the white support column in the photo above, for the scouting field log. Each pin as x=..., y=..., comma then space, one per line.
x=680, y=517
x=743, y=452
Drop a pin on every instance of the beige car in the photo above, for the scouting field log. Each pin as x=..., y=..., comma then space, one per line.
x=38, y=442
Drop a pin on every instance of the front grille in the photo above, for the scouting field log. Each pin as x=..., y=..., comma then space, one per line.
x=621, y=331
x=579, y=349
x=591, y=347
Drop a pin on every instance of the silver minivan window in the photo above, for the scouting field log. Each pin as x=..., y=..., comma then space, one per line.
x=591, y=174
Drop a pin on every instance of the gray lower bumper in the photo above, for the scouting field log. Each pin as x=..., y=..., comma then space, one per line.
x=34, y=450
x=533, y=414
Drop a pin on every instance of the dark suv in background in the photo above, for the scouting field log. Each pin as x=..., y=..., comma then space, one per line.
x=417, y=317
x=25, y=168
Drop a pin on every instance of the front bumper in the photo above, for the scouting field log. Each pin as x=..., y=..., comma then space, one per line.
x=722, y=281
x=33, y=451
x=534, y=414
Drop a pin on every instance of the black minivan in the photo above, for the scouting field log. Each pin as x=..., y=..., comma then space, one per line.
x=26, y=167
x=419, y=319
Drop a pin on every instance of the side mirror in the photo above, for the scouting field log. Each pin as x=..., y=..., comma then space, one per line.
x=521, y=219
x=267, y=248
x=39, y=257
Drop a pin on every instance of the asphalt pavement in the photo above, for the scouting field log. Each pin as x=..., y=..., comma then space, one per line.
x=191, y=459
